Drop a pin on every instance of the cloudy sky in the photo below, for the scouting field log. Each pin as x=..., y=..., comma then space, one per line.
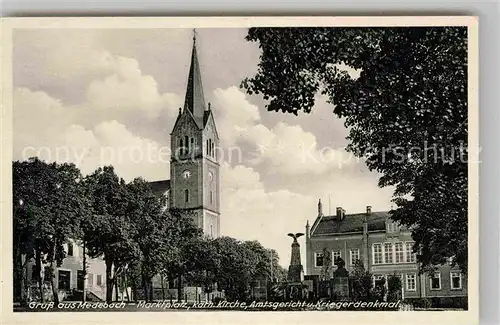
x=97, y=97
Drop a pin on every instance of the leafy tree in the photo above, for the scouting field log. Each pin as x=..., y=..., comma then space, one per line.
x=183, y=238
x=394, y=287
x=362, y=284
x=112, y=232
x=406, y=114
x=49, y=203
x=380, y=290
x=150, y=230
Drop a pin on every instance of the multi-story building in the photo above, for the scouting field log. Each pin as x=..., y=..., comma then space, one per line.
x=384, y=247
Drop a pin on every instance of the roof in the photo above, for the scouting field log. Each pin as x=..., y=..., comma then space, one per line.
x=350, y=223
x=160, y=187
x=195, y=100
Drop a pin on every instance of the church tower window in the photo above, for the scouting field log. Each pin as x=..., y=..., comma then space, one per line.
x=186, y=195
x=211, y=197
x=186, y=143
x=181, y=145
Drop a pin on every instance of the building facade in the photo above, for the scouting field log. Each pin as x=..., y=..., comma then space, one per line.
x=69, y=277
x=384, y=247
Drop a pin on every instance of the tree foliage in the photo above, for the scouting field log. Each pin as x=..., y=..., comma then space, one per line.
x=129, y=226
x=49, y=202
x=406, y=114
x=112, y=234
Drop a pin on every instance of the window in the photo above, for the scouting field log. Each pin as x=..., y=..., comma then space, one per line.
x=64, y=280
x=335, y=256
x=80, y=279
x=209, y=147
x=456, y=280
x=213, y=151
x=211, y=197
x=192, y=144
x=70, y=249
x=186, y=143
x=377, y=254
x=436, y=281
x=186, y=195
x=181, y=146
x=99, y=280
x=392, y=227
x=211, y=231
x=377, y=278
x=410, y=256
x=90, y=279
x=399, y=253
x=411, y=282
x=318, y=259
x=354, y=255
x=388, y=253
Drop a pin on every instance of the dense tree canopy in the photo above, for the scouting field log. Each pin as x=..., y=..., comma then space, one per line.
x=129, y=226
x=49, y=202
x=406, y=114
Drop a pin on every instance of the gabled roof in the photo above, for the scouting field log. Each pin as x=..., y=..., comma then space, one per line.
x=210, y=116
x=160, y=187
x=351, y=223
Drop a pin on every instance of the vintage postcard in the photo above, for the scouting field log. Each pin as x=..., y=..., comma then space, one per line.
x=247, y=169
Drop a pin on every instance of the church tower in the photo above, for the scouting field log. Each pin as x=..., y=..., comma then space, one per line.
x=194, y=166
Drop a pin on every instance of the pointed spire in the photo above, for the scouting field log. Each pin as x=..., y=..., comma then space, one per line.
x=195, y=101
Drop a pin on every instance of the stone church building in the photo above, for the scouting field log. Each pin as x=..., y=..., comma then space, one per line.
x=194, y=182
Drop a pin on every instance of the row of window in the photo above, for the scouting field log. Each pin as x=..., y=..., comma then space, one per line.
x=390, y=253
x=455, y=281
x=64, y=280
x=187, y=197
x=410, y=281
x=319, y=258
x=210, y=148
x=386, y=253
x=187, y=144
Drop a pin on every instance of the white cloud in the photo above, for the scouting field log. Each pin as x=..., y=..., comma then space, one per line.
x=249, y=212
x=285, y=148
x=45, y=128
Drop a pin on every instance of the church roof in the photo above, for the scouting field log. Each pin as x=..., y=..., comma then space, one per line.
x=194, y=101
x=160, y=187
x=350, y=223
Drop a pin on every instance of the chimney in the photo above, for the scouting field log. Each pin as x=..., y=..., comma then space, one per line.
x=320, y=208
x=340, y=213
x=368, y=209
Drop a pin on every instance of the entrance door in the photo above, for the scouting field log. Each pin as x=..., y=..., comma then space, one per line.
x=80, y=280
x=64, y=280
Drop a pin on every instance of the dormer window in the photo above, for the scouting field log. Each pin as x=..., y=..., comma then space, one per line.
x=392, y=227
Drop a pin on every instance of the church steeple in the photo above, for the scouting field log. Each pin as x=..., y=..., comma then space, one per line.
x=195, y=100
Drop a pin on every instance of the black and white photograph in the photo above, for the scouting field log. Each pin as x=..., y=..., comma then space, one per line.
x=197, y=168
